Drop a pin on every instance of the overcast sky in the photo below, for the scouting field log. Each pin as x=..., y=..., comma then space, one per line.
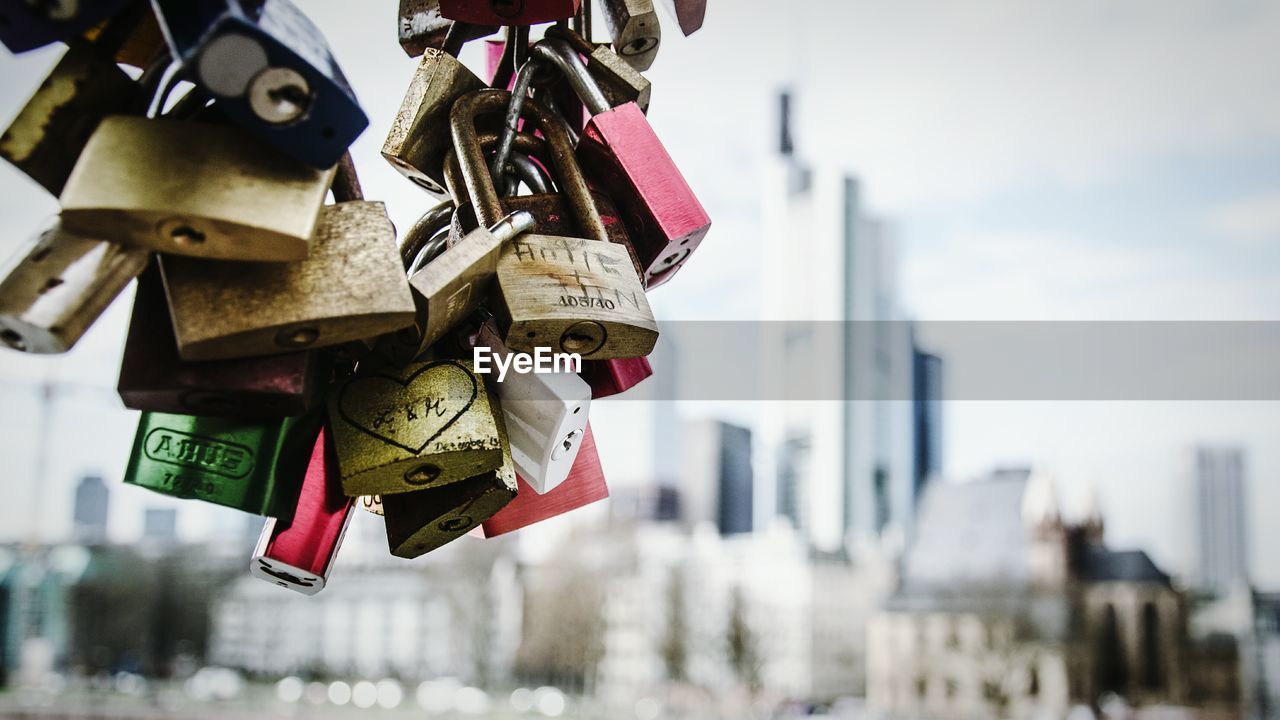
x=1069, y=160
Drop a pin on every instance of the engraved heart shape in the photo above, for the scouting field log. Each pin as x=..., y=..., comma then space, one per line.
x=411, y=412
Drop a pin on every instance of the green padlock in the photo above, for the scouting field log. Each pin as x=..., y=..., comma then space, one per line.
x=256, y=467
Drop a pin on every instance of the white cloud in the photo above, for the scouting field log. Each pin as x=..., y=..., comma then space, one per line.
x=1252, y=221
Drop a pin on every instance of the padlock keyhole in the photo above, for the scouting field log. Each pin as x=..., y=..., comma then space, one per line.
x=423, y=474
x=186, y=235
x=12, y=339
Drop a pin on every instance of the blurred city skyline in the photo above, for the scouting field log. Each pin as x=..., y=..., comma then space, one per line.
x=1033, y=162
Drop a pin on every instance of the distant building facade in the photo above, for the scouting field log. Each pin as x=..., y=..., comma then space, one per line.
x=160, y=525
x=1006, y=610
x=89, y=516
x=843, y=458
x=717, y=481
x=926, y=418
x=1219, y=477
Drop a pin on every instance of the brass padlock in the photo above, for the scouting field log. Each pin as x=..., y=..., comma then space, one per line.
x=419, y=522
x=419, y=136
x=422, y=27
x=424, y=425
x=193, y=189
x=620, y=82
x=352, y=287
x=633, y=25
x=58, y=285
x=571, y=294
x=46, y=138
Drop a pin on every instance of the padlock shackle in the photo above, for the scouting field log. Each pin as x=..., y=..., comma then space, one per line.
x=571, y=36
x=346, y=184
x=561, y=55
x=527, y=145
x=475, y=173
x=423, y=230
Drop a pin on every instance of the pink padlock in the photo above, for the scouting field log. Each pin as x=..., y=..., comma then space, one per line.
x=584, y=486
x=664, y=217
x=618, y=375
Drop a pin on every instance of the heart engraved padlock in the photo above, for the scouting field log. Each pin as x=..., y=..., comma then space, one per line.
x=351, y=287
x=424, y=425
x=571, y=294
x=419, y=522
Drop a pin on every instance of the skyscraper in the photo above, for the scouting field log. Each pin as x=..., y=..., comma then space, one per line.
x=926, y=381
x=160, y=525
x=718, y=481
x=89, y=516
x=844, y=456
x=1218, y=474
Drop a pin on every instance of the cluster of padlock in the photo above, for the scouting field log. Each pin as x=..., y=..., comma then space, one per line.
x=291, y=358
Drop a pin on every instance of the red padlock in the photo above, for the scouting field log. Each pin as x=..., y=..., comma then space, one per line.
x=153, y=377
x=509, y=12
x=299, y=554
x=618, y=375
x=664, y=217
x=688, y=14
x=584, y=486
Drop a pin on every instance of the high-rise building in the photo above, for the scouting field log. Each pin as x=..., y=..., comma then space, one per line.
x=160, y=525
x=843, y=451
x=718, y=482
x=926, y=415
x=1218, y=474
x=89, y=516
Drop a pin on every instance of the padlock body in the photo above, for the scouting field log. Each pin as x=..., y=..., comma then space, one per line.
x=422, y=27
x=425, y=425
x=633, y=25
x=153, y=377
x=26, y=26
x=612, y=377
x=452, y=286
x=242, y=53
x=509, y=12
x=299, y=554
x=352, y=286
x=58, y=285
x=136, y=182
x=46, y=138
x=689, y=14
x=572, y=295
x=256, y=467
x=545, y=415
x=420, y=137
x=666, y=220
x=419, y=522
x=584, y=485
x=553, y=218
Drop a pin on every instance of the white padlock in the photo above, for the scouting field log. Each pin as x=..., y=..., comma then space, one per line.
x=546, y=416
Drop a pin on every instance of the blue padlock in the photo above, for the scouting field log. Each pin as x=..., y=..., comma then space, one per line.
x=28, y=24
x=270, y=70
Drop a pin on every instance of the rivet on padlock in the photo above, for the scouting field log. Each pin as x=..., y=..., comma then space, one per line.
x=153, y=377
x=666, y=220
x=299, y=554
x=403, y=429
x=545, y=415
x=254, y=467
x=634, y=27
x=132, y=184
x=58, y=285
x=351, y=287
x=584, y=485
x=549, y=286
x=271, y=70
x=419, y=522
